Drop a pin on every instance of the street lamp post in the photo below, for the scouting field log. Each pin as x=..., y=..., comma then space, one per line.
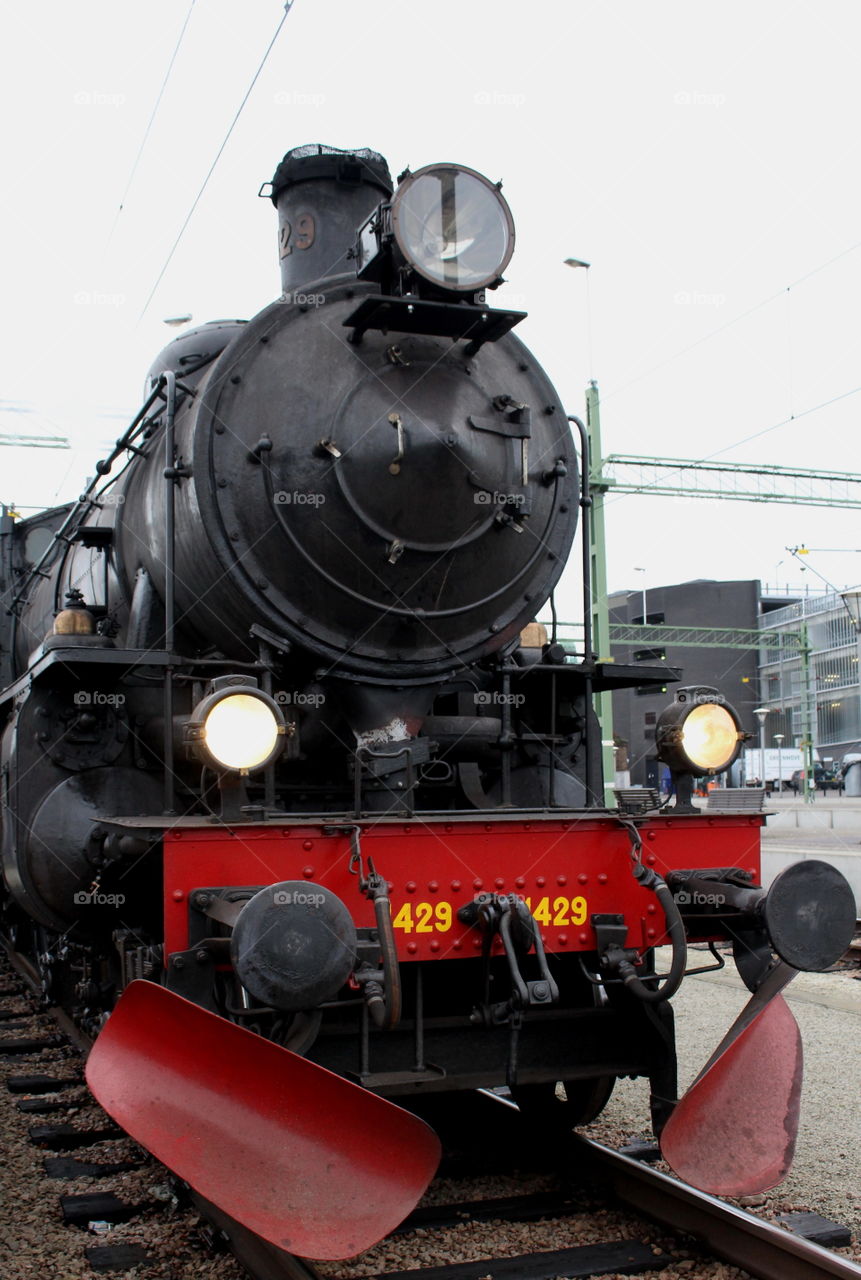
x=778, y=738
x=598, y=554
x=637, y=569
x=761, y=713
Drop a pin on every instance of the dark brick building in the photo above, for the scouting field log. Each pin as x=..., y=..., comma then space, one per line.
x=734, y=672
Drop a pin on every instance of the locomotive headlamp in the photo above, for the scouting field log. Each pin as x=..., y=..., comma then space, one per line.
x=453, y=227
x=433, y=248
x=237, y=727
x=699, y=733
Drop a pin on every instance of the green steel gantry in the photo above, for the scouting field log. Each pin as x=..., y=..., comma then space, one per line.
x=740, y=482
x=35, y=442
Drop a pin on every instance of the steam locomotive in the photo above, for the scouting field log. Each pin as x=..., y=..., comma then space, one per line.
x=302, y=811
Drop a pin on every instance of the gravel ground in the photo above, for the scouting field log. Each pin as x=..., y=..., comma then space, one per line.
x=826, y=1176
x=34, y=1243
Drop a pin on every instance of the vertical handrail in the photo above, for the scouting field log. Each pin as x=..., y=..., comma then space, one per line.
x=586, y=535
x=593, y=799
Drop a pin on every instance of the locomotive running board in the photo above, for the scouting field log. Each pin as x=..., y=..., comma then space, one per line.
x=734, y=1131
x=312, y=1163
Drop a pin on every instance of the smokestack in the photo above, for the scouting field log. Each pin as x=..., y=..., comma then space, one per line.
x=323, y=196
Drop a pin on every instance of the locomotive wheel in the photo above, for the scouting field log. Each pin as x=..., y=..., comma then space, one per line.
x=583, y=1100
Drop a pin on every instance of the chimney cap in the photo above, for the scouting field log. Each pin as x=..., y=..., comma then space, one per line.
x=316, y=160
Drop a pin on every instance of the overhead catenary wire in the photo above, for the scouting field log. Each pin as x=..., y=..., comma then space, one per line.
x=287, y=7
x=713, y=333
x=148, y=129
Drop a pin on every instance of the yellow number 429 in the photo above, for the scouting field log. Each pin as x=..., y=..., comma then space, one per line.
x=425, y=917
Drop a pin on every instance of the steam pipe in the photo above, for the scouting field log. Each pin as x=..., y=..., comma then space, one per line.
x=168, y=383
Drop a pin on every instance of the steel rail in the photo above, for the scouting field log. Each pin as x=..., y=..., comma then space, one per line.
x=766, y=1251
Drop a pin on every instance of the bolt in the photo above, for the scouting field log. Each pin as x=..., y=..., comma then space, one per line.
x=540, y=991
x=201, y=956
x=178, y=962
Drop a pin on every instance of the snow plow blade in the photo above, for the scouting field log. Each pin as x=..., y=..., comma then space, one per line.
x=734, y=1131
x=312, y=1163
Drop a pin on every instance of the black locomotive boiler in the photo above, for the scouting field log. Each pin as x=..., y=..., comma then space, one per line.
x=301, y=810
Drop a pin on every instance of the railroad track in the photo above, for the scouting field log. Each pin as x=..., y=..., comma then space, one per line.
x=761, y=1248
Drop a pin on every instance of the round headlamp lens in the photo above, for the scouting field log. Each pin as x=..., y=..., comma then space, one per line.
x=240, y=732
x=453, y=226
x=709, y=737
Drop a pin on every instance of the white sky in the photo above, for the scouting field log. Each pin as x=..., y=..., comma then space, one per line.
x=701, y=157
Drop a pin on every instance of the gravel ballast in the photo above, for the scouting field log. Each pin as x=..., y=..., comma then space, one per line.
x=825, y=1178
x=826, y=1173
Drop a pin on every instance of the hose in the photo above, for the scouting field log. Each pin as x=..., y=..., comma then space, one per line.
x=669, y=985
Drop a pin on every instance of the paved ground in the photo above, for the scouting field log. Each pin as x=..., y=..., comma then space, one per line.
x=830, y=831
x=826, y=1175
